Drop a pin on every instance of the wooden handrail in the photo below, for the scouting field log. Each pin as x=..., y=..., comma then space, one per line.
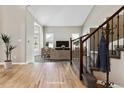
x=80, y=37
x=103, y=23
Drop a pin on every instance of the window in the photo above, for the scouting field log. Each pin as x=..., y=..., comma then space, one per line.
x=75, y=35
x=49, y=39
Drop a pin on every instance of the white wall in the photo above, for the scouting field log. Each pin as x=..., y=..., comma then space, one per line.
x=30, y=36
x=18, y=24
x=13, y=24
x=0, y=18
x=1, y=56
x=98, y=15
x=62, y=33
x=116, y=74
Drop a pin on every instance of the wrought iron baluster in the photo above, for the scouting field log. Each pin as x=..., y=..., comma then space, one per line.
x=86, y=56
x=94, y=50
x=98, y=38
x=112, y=36
x=81, y=58
x=108, y=59
x=71, y=51
x=98, y=35
x=90, y=58
x=118, y=31
x=123, y=28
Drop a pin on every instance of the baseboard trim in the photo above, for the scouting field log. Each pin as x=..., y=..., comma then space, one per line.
x=21, y=63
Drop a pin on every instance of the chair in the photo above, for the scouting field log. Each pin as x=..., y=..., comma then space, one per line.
x=45, y=53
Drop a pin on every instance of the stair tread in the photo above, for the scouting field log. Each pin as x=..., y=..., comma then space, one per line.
x=89, y=76
x=120, y=49
x=94, y=68
x=115, y=56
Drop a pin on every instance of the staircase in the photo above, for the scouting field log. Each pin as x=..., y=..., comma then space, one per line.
x=84, y=60
x=117, y=52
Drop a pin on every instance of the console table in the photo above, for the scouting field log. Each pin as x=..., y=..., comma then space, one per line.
x=60, y=54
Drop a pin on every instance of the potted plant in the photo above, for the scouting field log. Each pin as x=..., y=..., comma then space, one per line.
x=8, y=51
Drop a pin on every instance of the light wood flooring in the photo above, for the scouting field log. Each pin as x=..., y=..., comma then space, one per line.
x=40, y=75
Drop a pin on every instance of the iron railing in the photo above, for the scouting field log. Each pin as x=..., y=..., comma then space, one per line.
x=113, y=31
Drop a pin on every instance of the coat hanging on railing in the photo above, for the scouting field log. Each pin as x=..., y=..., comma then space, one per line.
x=102, y=62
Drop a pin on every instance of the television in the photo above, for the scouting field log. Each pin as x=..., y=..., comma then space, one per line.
x=62, y=43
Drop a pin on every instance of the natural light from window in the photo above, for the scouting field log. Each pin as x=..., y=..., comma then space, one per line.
x=75, y=35
x=49, y=39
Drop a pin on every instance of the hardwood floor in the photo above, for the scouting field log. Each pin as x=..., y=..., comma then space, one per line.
x=50, y=75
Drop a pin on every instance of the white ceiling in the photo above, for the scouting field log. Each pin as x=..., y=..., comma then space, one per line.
x=60, y=15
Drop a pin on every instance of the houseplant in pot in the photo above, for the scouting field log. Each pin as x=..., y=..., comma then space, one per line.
x=8, y=51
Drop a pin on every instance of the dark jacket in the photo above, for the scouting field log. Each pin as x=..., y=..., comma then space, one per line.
x=102, y=61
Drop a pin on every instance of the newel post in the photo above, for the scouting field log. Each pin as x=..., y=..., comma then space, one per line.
x=81, y=58
x=70, y=51
x=108, y=59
